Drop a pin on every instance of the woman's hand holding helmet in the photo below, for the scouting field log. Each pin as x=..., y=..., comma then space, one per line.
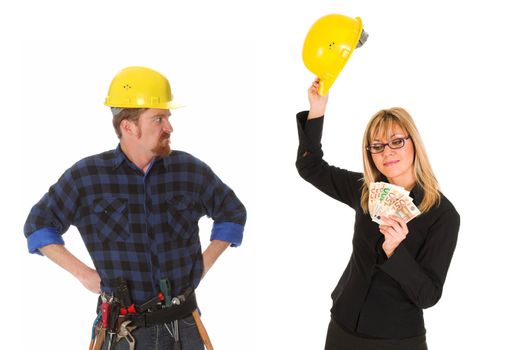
x=317, y=102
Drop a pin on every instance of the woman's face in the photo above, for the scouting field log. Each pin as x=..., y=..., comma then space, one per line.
x=396, y=163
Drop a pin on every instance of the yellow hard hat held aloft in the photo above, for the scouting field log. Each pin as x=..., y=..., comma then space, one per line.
x=328, y=46
x=140, y=87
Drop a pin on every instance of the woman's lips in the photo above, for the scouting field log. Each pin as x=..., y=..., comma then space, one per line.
x=390, y=163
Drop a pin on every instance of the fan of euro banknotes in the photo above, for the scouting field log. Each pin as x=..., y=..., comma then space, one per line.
x=386, y=199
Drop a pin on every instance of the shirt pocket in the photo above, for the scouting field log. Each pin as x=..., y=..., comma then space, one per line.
x=181, y=215
x=111, y=218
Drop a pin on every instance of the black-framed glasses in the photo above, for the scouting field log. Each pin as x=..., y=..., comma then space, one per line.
x=393, y=144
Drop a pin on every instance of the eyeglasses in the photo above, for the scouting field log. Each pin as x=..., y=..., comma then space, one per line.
x=393, y=144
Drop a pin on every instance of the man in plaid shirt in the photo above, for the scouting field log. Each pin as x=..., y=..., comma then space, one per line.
x=137, y=207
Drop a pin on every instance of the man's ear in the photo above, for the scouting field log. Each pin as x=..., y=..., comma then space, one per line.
x=128, y=127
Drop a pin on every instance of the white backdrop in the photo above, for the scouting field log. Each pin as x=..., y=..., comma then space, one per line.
x=456, y=66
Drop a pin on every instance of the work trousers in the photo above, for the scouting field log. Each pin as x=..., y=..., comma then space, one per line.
x=160, y=337
x=339, y=339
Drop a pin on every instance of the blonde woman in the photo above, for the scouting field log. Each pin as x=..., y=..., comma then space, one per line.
x=396, y=269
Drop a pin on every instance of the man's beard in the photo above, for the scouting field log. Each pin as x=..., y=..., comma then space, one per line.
x=162, y=149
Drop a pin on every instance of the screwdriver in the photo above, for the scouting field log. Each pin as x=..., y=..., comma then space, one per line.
x=152, y=302
x=114, y=311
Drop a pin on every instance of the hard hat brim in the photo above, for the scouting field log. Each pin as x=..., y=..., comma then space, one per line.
x=168, y=105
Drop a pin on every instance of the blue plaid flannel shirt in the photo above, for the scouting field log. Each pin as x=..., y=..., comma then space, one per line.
x=141, y=227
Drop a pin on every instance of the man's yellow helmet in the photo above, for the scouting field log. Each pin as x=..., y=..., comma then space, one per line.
x=140, y=87
x=329, y=44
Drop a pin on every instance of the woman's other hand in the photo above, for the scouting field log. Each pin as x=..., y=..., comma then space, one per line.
x=395, y=231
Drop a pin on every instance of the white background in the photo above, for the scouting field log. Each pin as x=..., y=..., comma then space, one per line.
x=456, y=66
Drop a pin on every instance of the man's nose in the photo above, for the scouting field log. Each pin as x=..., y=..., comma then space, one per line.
x=167, y=127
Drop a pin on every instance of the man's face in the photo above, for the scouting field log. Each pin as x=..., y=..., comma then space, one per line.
x=154, y=131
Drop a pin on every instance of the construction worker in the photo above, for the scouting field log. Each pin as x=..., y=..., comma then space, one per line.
x=137, y=209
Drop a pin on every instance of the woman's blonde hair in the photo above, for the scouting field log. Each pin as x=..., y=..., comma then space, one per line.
x=380, y=126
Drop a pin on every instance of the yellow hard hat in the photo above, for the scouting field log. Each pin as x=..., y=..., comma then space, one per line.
x=140, y=87
x=328, y=46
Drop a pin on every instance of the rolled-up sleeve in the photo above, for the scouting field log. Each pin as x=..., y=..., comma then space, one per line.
x=43, y=237
x=222, y=205
x=50, y=218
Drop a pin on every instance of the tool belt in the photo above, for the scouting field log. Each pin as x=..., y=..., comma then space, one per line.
x=165, y=315
x=158, y=310
x=117, y=316
x=156, y=315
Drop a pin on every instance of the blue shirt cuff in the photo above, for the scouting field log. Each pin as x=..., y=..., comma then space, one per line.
x=229, y=232
x=43, y=237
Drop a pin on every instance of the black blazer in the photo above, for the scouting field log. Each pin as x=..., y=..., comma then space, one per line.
x=378, y=296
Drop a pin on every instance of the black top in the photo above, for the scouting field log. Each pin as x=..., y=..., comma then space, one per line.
x=377, y=296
